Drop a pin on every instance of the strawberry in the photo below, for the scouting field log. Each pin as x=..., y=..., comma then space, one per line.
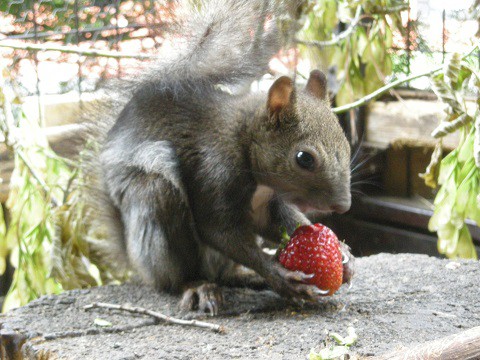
x=315, y=249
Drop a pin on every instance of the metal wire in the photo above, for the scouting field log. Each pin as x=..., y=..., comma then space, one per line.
x=99, y=24
x=113, y=24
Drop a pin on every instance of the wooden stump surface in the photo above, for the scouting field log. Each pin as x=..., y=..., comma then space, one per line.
x=396, y=301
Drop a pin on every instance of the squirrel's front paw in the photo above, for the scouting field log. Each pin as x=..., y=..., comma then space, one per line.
x=348, y=263
x=293, y=284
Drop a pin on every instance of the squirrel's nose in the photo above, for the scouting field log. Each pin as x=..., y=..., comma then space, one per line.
x=342, y=205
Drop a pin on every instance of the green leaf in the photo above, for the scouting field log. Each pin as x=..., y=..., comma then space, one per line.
x=345, y=94
x=451, y=69
x=362, y=42
x=476, y=141
x=465, y=248
x=447, y=239
x=328, y=353
x=467, y=73
x=464, y=193
x=388, y=38
x=472, y=210
x=335, y=352
x=465, y=149
x=431, y=173
x=349, y=340
x=378, y=51
x=372, y=81
x=3, y=242
x=448, y=166
x=329, y=15
x=444, y=203
x=467, y=171
x=387, y=66
x=12, y=300
x=447, y=127
x=445, y=93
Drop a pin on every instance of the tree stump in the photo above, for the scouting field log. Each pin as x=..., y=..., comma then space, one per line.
x=396, y=303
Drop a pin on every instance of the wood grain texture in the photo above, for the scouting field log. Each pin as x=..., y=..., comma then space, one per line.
x=407, y=119
x=461, y=346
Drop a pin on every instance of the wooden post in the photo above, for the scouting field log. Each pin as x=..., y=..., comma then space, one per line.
x=461, y=346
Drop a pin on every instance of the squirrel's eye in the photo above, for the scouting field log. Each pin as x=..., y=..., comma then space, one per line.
x=305, y=160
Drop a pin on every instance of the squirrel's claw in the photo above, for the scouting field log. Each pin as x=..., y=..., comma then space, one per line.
x=321, y=292
x=292, y=284
x=206, y=297
x=298, y=276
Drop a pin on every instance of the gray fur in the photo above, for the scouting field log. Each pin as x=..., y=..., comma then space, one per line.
x=183, y=159
x=226, y=44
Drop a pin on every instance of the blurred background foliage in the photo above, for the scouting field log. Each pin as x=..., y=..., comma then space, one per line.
x=356, y=40
x=458, y=172
x=45, y=236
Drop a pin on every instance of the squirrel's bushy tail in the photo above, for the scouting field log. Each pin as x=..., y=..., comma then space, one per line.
x=225, y=42
x=220, y=42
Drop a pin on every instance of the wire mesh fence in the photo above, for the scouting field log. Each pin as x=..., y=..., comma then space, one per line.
x=138, y=26
x=440, y=28
x=134, y=26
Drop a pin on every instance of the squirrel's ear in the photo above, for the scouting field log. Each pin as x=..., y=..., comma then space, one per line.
x=280, y=95
x=317, y=84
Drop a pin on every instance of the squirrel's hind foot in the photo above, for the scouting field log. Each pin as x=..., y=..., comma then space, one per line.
x=202, y=296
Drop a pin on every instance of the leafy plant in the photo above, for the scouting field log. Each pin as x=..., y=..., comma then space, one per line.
x=46, y=238
x=336, y=346
x=362, y=52
x=458, y=173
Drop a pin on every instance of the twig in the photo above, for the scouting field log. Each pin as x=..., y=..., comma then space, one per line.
x=336, y=38
x=346, y=33
x=382, y=90
x=377, y=10
x=157, y=315
x=74, y=50
x=96, y=330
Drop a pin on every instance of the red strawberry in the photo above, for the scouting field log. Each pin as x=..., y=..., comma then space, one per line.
x=315, y=249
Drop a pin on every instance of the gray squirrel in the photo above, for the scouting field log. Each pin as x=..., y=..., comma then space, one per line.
x=192, y=174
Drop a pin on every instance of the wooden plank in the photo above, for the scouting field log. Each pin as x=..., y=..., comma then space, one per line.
x=396, y=173
x=414, y=213
x=367, y=238
x=415, y=94
x=408, y=119
x=377, y=224
x=461, y=346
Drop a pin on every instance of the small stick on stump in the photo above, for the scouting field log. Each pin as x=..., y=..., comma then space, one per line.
x=157, y=315
x=461, y=346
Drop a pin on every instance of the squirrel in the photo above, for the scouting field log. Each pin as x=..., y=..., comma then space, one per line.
x=194, y=172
